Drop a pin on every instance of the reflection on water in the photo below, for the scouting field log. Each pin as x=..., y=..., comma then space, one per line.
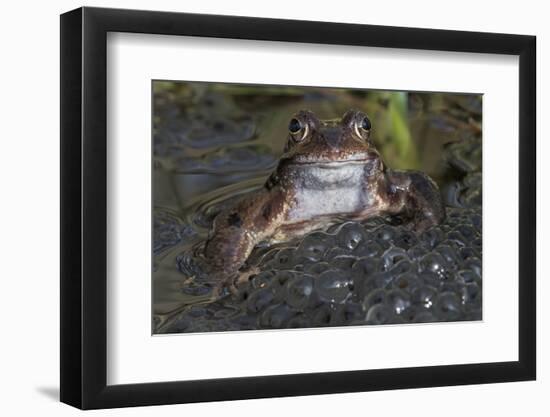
x=215, y=142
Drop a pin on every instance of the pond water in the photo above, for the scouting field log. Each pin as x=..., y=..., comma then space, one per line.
x=215, y=142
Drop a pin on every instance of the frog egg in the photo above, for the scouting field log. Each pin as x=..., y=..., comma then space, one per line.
x=473, y=264
x=242, y=293
x=423, y=316
x=275, y=316
x=380, y=314
x=379, y=280
x=471, y=294
x=434, y=262
x=282, y=277
x=343, y=262
x=259, y=299
x=369, y=248
x=451, y=286
x=447, y=307
x=467, y=231
x=401, y=267
x=430, y=278
x=245, y=322
x=468, y=252
x=315, y=245
x=223, y=312
x=263, y=279
x=407, y=282
x=190, y=265
x=478, y=243
x=284, y=259
x=321, y=316
x=299, y=292
x=466, y=276
x=364, y=278
x=450, y=242
x=364, y=267
x=347, y=313
x=279, y=282
x=455, y=238
x=376, y=296
x=454, y=217
x=398, y=300
x=385, y=233
x=416, y=252
x=417, y=314
x=424, y=296
x=317, y=268
x=333, y=286
x=392, y=256
x=166, y=234
x=476, y=221
x=405, y=240
x=431, y=237
x=451, y=256
x=350, y=236
x=302, y=263
x=335, y=252
x=445, y=228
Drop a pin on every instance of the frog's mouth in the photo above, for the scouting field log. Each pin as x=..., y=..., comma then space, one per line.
x=333, y=163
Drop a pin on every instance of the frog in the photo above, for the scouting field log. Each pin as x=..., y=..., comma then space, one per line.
x=330, y=171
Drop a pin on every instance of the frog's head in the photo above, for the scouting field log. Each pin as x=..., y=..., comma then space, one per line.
x=329, y=142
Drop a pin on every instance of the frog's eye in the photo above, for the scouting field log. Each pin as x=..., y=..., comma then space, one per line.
x=294, y=126
x=365, y=123
x=362, y=127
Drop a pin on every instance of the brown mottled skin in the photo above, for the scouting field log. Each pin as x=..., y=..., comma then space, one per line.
x=329, y=171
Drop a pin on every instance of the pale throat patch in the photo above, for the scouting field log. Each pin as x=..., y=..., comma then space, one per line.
x=329, y=189
x=314, y=202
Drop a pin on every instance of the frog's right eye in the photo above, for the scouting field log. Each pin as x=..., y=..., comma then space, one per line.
x=365, y=123
x=294, y=126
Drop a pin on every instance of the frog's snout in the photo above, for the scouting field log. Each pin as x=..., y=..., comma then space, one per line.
x=332, y=137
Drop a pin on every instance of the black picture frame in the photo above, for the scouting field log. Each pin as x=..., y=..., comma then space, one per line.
x=84, y=207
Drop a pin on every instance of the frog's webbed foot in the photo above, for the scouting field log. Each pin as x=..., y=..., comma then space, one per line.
x=237, y=230
x=421, y=199
x=226, y=253
x=223, y=284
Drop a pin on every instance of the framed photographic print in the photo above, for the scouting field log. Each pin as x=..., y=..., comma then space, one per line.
x=258, y=208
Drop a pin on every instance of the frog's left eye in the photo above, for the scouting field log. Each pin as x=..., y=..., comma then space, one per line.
x=294, y=126
x=365, y=123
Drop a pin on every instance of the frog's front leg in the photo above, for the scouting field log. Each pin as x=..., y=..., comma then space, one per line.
x=419, y=198
x=238, y=229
